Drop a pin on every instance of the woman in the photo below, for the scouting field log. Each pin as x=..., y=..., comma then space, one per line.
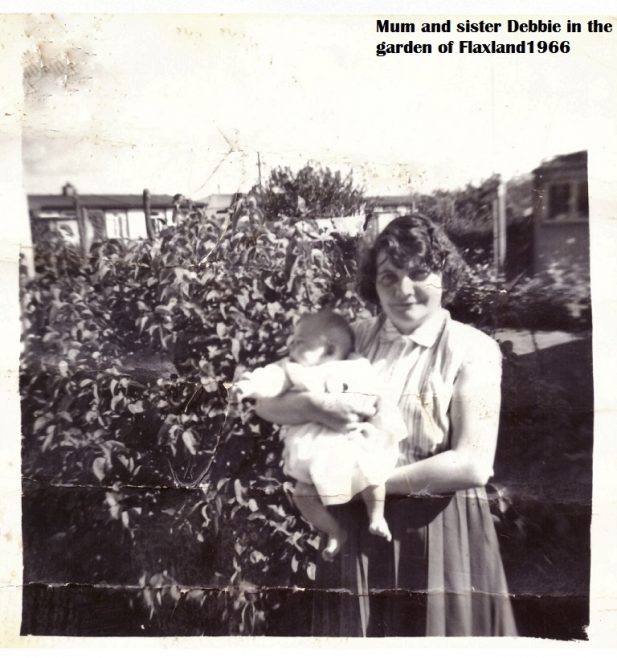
x=442, y=573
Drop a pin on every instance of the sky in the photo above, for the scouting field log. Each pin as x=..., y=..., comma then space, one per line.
x=185, y=103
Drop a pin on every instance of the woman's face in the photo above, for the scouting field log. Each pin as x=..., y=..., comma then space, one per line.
x=408, y=298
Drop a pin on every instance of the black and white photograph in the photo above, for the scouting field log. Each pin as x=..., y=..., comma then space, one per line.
x=249, y=251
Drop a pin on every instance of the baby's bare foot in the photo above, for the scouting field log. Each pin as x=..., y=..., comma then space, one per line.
x=380, y=528
x=333, y=545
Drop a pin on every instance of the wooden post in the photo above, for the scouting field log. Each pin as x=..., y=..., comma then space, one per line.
x=81, y=224
x=178, y=198
x=259, y=167
x=148, y=216
x=499, y=229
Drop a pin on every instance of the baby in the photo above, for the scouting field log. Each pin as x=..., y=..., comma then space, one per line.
x=331, y=467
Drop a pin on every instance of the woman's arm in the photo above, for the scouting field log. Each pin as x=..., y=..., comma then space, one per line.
x=474, y=418
x=339, y=412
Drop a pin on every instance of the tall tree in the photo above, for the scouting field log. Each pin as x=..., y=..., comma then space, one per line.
x=309, y=193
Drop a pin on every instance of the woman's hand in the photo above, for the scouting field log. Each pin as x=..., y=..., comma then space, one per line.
x=342, y=412
x=338, y=411
x=368, y=434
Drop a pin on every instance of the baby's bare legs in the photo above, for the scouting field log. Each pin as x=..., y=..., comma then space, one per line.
x=374, y=498
x=314, y=511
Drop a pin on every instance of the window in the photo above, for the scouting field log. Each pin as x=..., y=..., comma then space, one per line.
x=582, y=201
x=116, y=224
x=559, y=200
x=159, y=220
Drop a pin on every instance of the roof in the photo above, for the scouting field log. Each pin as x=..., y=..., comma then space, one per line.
x=577, y=160
x=220, y=201
x=392, y=200
x=37, y=202
x=349, y=225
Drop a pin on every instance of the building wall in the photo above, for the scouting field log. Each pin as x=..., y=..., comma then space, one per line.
x=561, y=213
x=566, y=243
x=137, y=224
x=116, y=224
x=113, y=224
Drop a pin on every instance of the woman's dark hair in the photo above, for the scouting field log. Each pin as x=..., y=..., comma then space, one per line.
x=412, y=242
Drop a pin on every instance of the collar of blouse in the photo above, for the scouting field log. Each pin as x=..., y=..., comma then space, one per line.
x=425, y=335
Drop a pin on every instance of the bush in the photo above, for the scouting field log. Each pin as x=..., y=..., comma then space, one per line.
x=309, y=193
x=138, y=472
x=124, y=375
x=557, y=299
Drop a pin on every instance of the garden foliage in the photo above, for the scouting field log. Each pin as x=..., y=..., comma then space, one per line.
x=136, y=464
x=125, y=374
x=310, y=193
x=556, y=299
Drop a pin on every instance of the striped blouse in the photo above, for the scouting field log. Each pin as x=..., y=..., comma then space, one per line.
x=421, y=369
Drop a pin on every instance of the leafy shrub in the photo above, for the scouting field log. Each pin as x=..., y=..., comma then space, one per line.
x=556, y=299
x=309, y=193
x=137, y=467
x=126, y=364
x=463, y=211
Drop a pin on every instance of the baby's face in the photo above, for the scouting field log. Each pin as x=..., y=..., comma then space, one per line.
x=308, y=347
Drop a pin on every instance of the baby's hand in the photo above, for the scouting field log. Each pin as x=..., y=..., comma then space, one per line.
x=243, y=388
